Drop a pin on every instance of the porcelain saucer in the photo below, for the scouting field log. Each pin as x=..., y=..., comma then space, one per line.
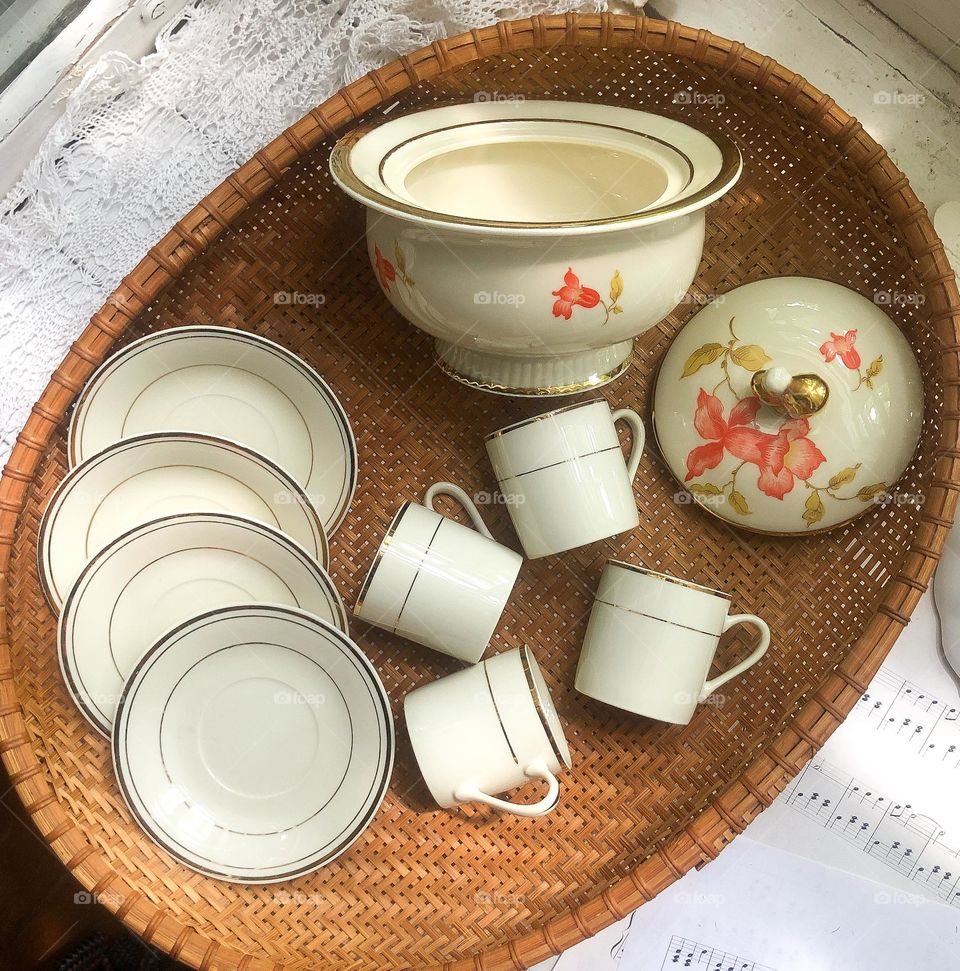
x=231, y=384
x=161, y=574
x=152, y=476
x=254, y=744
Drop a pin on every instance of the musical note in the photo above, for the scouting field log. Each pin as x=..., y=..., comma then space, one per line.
x=684, y=953
x=894, y=706
x=909, y=842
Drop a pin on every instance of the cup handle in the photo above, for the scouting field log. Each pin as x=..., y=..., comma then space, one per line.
x=639, y=438
x=537, y=769
x=761, y=649
x=455, y=492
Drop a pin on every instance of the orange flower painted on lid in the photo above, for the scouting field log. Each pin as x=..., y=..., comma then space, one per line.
x=787, y=456
x=732, y=436
x=842, y=346
x=780, y=458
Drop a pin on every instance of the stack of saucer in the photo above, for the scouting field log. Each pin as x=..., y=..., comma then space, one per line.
x=186, y=552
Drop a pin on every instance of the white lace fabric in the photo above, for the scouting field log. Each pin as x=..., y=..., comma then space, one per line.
x=140, y=144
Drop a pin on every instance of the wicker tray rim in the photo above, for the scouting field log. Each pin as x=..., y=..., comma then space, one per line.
x=741, y=800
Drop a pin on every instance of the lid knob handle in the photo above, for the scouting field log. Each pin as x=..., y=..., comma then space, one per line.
x=796, y=395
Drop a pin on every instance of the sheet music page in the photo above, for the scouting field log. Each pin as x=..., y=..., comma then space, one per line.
x=882, y=797
x=759, y=908
x=685, y=953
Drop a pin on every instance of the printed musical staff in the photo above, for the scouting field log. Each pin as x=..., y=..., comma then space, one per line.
x=684, y=953
x=909, y=715
x=889, y=831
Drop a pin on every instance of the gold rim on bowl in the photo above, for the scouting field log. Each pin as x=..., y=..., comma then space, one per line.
x=731, y=164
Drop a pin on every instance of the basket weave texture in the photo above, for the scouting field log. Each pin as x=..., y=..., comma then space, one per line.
x=645, y=802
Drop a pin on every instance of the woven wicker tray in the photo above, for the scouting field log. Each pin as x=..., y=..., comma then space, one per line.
x=646, y=802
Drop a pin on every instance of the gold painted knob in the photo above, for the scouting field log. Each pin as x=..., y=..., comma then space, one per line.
x=796, y=395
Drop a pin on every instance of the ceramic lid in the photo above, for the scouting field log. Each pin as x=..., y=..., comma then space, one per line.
x=789, y=405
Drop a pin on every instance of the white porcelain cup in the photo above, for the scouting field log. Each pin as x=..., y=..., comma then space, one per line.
x=564, y=478
x=488, y=729
x=651, y=639
x=437, y=582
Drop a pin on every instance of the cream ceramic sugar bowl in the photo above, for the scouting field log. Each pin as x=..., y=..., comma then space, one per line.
x=534, y=239
x=789, y=405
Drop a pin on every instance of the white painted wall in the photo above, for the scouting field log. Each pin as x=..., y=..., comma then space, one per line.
x=935, y=23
